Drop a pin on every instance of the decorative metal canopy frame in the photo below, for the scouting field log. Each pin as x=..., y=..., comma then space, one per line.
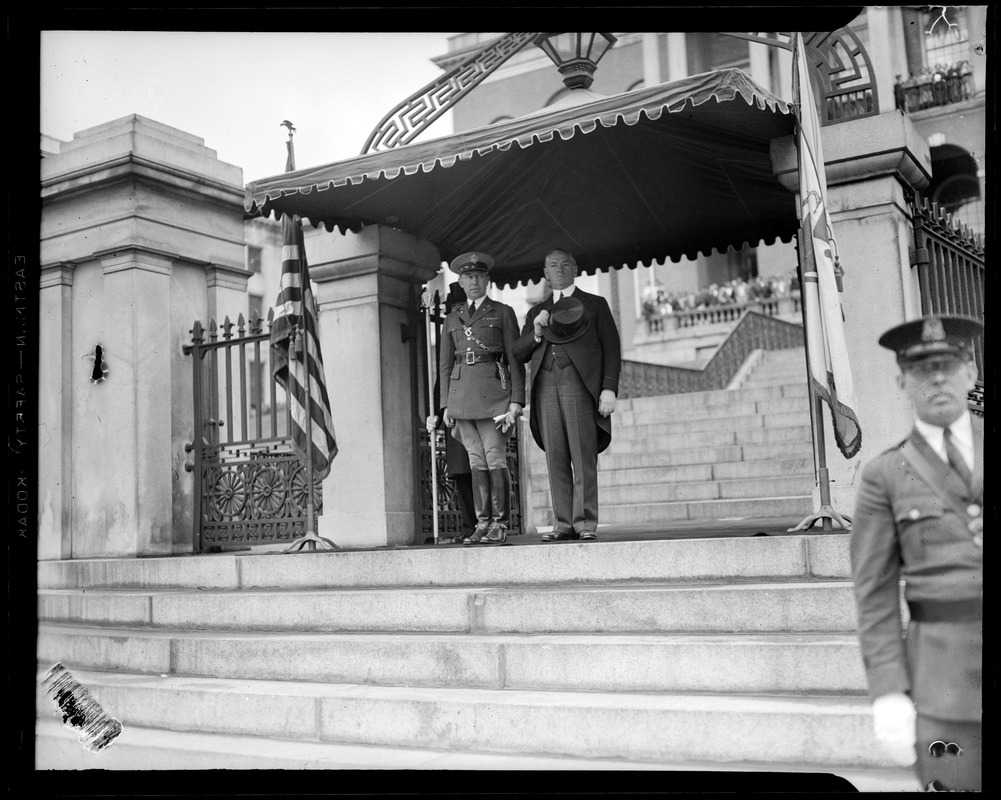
x=847, y=89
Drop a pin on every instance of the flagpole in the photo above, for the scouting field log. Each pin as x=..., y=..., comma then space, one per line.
x=427, y=300
x=311, y=539
x=826, y=512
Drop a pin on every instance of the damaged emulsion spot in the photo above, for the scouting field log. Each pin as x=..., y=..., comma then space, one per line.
x=80, y=710
x=100, y=371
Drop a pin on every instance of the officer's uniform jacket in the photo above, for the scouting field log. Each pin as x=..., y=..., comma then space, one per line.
x=904, y=529
x=468, y=357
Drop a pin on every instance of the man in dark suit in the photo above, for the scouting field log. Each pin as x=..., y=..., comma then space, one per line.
x=483, y=387
x=575, y=353
x=919, y=517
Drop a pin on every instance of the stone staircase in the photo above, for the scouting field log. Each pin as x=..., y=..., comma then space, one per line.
x=745, y=452
x=693, y=654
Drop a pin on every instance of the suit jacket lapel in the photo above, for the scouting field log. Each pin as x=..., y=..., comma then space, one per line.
x=947, y=477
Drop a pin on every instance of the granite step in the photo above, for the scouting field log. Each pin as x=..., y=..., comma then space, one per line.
x=640, y=726
x=757, y=606
x=58, y=748
x=783, y=663
x=795, y=557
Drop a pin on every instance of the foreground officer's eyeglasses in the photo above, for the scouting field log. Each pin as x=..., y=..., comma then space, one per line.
x=940, y=748
x=928, y=367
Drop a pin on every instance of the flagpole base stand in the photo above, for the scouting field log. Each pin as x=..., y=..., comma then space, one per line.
x=825, y=512
x=312, y=540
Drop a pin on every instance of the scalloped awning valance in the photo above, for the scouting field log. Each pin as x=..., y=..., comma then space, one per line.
x=658, y=173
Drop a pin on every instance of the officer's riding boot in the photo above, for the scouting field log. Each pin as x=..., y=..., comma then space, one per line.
x=481, y=502
x=500, y=496
x=464, y=497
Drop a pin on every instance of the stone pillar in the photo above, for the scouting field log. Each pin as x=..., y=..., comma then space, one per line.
x=142, y=233
x=869, y=164
x=55, y=413
x=363, y=285
x=883, y=58
x=677, y=55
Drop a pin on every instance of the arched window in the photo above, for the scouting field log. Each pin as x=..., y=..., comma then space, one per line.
x=955, y=184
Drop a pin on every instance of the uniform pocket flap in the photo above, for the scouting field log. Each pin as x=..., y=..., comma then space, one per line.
x=912, y=509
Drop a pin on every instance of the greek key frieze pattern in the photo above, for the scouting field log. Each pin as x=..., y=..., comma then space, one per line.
x=405, y=122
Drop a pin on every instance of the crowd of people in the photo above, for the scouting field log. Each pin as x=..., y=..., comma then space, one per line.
x=658, y=303
x=934, y=86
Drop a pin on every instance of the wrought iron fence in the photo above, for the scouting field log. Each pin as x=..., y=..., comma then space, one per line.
x=250, y=487
x=950, y=263
x=755, y=331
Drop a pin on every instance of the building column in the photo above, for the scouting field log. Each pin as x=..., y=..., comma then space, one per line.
x=677, y=56
x=364, y=284
x=55, y=434
x=122, y=479
x=870, y=164
x=880, y=30
x=141, y=234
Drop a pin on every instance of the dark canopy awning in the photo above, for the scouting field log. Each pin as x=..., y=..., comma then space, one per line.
x=663, y=172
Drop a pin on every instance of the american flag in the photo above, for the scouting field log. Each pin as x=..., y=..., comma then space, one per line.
x=830, y=370
x=294, y=323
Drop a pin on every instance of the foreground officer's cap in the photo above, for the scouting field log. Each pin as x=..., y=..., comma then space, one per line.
x=932, y=336
x=468, y=262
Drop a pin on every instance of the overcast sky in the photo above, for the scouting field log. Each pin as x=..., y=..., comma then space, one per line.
x=234, y=89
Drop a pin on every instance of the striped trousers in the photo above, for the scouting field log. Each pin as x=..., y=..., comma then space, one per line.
x=566, y=420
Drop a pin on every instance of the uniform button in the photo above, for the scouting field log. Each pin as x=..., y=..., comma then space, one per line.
x=973, y=510
x=915, y=513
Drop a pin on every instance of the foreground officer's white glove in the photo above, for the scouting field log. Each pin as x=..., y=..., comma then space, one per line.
x=894, y=723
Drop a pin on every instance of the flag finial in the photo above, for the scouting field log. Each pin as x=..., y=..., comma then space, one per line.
x=290, y=126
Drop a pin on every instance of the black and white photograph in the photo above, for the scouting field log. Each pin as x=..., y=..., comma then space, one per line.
x=485, y=405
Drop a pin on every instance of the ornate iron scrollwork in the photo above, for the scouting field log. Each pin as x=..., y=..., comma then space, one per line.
x=405, y=122
x=838, y=58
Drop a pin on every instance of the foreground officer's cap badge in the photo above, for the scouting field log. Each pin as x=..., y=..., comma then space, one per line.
x=932, y=330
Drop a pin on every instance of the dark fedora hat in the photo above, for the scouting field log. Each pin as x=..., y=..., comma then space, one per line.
x=932, y=336
x=568, y=320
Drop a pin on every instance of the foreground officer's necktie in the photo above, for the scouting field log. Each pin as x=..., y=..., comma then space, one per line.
x=955, y=458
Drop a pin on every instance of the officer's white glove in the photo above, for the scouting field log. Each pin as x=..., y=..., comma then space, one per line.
x=894, y=723
x=431, y=423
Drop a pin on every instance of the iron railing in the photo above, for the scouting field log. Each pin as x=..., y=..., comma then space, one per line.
x=724, y=313
x=950, y=263
x=951, y=270
x=754, y=331
x=250, y=487
x=943, y=87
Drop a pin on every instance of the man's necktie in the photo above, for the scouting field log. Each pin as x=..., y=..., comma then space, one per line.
x=956, y=459
x=472, y=309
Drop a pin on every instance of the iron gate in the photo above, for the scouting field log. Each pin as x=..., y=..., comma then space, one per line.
x=949, y=260
x=250, y=487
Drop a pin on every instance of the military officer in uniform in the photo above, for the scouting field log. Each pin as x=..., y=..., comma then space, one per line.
x=484, y=391
x=919, y=518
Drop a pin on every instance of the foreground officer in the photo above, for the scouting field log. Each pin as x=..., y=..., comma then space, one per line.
x=919, y=517
x=484, y=391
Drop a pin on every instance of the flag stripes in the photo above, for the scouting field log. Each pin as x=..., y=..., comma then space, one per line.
x=830, y=370
x=295, y=322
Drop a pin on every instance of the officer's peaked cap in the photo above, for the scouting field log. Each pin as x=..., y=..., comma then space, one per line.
x=932, y=336
x=470, y=261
